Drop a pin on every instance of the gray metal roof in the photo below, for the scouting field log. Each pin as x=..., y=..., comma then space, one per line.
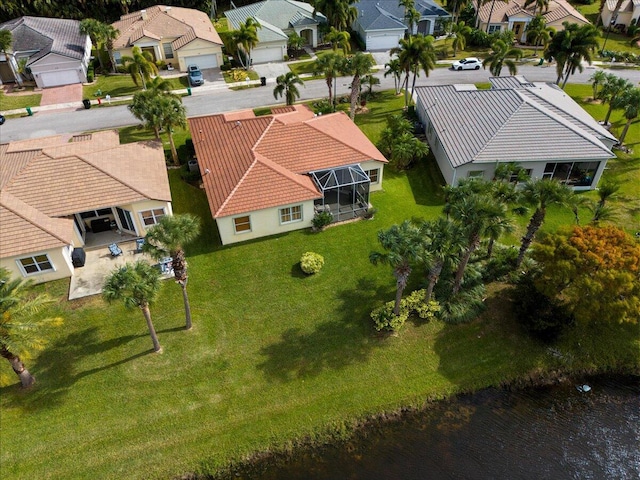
x=46, y=35
x=282, y=14
x=515, y=81
x=388, y=14
x=507, y=125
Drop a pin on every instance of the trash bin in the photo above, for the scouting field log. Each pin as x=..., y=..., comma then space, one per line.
x=541, y=61
x=78, y=257
x=87, y=103
x=1, y=119
x=263, y=81
x=29, y=112
x=188, y=90
x=193, y=165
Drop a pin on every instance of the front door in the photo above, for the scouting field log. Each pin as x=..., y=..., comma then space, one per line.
x=151, y=50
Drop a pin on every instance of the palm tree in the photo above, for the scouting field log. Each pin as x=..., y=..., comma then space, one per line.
x=246, y=38
x=340, y=13
x=403, y=247
x=6, y=42
x=459, y=32
x=19, y=330
x=612, y=88
x=499, y=56
x=455, y=7
x=138, y=285
x=570, y=48
x=339, y=39
x=629, y=102
x=159, y=85
x=443, y=243
x=493, y=4
x=415, y=53
x=101, y=35
x=540, y=193
x=538, y=33
x=174, y=114
x=597, y=80
x=140, y=66
x=331, y=66
x=607, y=190
x=295, y=43
x=370, y=81
x=109, y=35
x=167, y=238
x=474, y=213
x=358, y=65
x=145, y=107
x=286, y=84
x=394, y=68
x=540, y=4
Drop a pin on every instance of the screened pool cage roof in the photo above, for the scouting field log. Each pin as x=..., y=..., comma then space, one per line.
x=339, y=177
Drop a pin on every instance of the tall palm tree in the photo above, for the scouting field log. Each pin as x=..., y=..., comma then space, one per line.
x=613, y=87
x=443, y=242
x=493, y=4
x=6, y=42
x=101, y=35
x=159, y=85
x=402, y=245
x=138, y=285
x=145, y=107
x=540, y=4
x=331, y=66
x=540, y=194
x=20, y=332
x=167, y=238
x=455, y=7
x=570, y=48
x=501, y=55
x=538, y=33
x=140, y=66
x=459, y=32
x=358, y=65
x=110, y=34
x=597, y=80
x=340, y=13
x=174, y=114
x=339, y=39
x=246, y=38
x=370, y=81
x=629, y=102
x=394, y=68
x=474, y=213
x=414, y=54
x=286, y=84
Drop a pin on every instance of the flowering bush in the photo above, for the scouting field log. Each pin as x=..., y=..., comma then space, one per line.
x=311, y=262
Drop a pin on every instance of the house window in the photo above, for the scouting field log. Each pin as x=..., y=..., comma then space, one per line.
x=96, y=213
x=476, y=174
x=151, y=217
x=36, y=264
x=117, y=56
x=242, y=224
x=373, y=175
x=290, y=214
x=575, y=174
x=126, y=221
x=168, y=51
x=494, y=28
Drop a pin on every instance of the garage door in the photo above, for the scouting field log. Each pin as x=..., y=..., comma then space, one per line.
x=266, y=55
x=382, y=42
x=61, y=77
x=202, y=61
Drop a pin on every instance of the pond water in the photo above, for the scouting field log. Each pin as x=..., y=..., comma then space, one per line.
x=553, y=432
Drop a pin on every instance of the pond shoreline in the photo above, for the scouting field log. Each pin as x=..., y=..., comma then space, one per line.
x=357, y=429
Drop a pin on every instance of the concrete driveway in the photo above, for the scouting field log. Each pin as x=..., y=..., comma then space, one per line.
x=64, y=94
x=271, y=71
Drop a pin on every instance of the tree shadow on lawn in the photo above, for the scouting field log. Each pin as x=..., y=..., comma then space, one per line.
x=334, y=344
x=56, y=368
x=426, y=182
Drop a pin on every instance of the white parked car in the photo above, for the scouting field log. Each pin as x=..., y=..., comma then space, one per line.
x=471, y=63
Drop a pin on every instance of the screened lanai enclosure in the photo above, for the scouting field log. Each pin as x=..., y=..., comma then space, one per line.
x=345, y=191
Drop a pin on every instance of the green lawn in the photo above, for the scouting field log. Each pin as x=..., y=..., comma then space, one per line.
x=122, y=85
x=273, y=356
x=13, y=102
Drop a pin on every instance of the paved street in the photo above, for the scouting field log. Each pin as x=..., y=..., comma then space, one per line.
x=218, y=98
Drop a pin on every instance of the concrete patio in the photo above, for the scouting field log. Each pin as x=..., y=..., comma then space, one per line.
x=88, y=280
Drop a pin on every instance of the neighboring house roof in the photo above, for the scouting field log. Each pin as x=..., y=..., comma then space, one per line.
x=389, y=14
x=45, y=178
x=262, y=162
x=46, y=35
x=278, y=15
x=626, y=6
x=162, y=21
x=559, y=10
x=511, y=123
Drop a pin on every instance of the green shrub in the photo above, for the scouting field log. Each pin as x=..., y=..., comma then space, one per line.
x=384, y=318
x=321, y=220
x=465, y=306
x=311, y=262
x=322, y=107
x=501, y=263
x=414, y=303
x=90, y=74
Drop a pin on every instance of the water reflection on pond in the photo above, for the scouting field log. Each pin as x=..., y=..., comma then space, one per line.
x=543, y=433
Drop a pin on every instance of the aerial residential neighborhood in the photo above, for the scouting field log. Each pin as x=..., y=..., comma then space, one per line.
x=286, y=239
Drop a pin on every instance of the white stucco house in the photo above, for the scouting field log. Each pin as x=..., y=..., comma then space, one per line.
x=57, y=54
x=381, y=23
x=628, y=14
x=536, y=125
x=278, y=18
x=178, y=36
x=65, y=192
x=270, y=174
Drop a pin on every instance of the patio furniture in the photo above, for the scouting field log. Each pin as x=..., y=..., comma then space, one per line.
x=166, y=265
x=100, y=225
x=139, y=245
x=115, y=250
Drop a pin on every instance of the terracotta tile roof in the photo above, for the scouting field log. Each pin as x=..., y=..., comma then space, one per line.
x=61, y=179
x=26, y=230
x=261, y=162
x=182, y=24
